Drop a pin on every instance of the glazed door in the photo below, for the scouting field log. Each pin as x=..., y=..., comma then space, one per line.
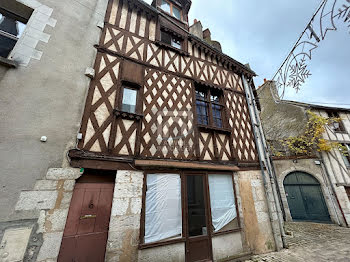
x=86, y=231
x=198, y=244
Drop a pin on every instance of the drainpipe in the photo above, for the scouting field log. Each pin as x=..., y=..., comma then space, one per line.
x=334, y=192
x=264, y=159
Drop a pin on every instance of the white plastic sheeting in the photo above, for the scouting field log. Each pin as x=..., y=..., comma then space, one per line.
x=163, y=207
x=222, y=200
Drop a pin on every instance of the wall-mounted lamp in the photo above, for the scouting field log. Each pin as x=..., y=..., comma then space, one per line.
x=335, y=125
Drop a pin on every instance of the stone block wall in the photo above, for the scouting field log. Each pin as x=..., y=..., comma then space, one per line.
x=40, y=239
x=25, y=48
x=124, y=230
x=256, y=225
x=124, y=226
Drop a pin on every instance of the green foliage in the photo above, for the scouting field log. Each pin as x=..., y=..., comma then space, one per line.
x=311, y=140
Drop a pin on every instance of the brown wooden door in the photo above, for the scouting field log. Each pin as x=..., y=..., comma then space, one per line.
x=198, y=243
x=86, y=231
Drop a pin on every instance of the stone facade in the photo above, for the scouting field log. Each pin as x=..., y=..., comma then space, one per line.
x=282, y=119
x=41, y=238
x=123, y=237
x=36, y=185
x=52, y=55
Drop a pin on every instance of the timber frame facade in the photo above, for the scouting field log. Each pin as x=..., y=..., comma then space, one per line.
x=130, y=52
x=164, y=105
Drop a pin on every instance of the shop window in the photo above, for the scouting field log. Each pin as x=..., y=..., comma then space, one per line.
x=129, y=100
x=222, y=202
x=163, y=211
x=11, y=29
x=171, y=40
x=171, y=9
x=209, y=107
x=338, y=126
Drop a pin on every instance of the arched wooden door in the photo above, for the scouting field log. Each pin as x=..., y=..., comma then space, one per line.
x=305, y=198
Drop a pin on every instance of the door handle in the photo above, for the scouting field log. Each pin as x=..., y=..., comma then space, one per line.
x=87, y=216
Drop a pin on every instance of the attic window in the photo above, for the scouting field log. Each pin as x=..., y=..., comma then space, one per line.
x=171, y=40
x=171, y=9
x=340, y=127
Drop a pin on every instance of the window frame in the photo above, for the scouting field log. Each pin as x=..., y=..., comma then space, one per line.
x=171, y=9
x=133, y=86
x=335, y=114
x=17, y=18
x=347, y=157
x=211, y=124
x=183, y=175
x=172, y=37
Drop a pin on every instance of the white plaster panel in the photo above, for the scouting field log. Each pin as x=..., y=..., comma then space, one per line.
x=152, y=31
x=114, y=12
x=124, y=15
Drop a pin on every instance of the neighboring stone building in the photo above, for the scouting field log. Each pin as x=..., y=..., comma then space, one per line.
x=44, y=52
x=313, y=188
x=165, y=165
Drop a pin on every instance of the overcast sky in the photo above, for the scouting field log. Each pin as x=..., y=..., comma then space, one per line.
x=262, y=33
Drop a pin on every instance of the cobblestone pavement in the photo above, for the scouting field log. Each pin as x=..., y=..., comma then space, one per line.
x=311, y=242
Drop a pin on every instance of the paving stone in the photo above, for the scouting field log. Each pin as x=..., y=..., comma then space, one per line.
x=312, y=242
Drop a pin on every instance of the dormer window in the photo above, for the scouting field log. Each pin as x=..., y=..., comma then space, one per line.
x=171, y=9
x=171, y=40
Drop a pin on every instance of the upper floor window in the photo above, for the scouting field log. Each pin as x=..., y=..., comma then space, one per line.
x=170, y=40
x=209, y=107
x=11, y=30
x=129, y=100
x=338, y=126
x=171, y=9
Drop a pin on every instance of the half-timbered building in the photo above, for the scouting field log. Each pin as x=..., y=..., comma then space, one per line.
x=167, y=111
x=166, y=164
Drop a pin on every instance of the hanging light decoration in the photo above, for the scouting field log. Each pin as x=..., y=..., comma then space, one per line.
x=294, y=70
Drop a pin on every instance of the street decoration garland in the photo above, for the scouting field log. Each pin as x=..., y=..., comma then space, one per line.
x=294, y=70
